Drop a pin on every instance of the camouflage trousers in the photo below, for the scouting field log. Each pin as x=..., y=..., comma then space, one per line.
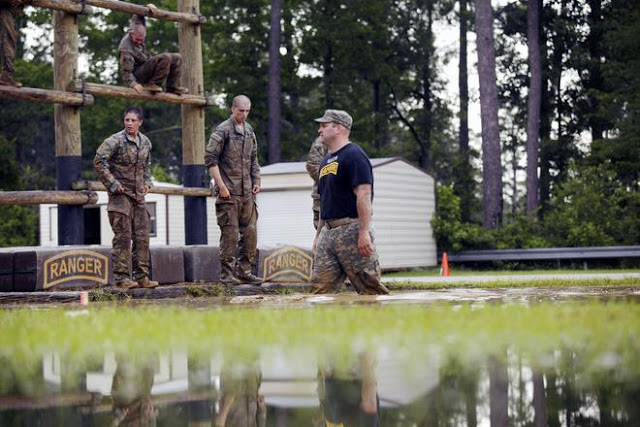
x=237, y=218
x=158, y=68
x=131, y=242
x=337, y=258
x=8, y=38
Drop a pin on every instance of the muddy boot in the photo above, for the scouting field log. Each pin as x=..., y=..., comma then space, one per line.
x=153, y=88
x=178, y=90
x=146, y=283
x=249, y=278
x=229, y=280
x=6, y=79
x=127, y=284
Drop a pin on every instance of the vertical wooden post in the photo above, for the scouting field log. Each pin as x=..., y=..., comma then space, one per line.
x=67, y=126
x=193, y=135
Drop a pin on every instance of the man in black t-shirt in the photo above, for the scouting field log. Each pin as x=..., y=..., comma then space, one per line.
x=343, y=246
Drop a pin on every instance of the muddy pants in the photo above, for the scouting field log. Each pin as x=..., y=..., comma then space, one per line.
x=133, y=227
x=8, y=38
x=337, y=257
x=158, y=68
x=237, y=219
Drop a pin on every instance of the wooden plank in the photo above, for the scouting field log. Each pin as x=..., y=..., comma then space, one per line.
x=52, y=196
x=46, y=95
x=99, y=89
x=64, y=6
x=170, y=191
x=165, y=15
x=84, y=7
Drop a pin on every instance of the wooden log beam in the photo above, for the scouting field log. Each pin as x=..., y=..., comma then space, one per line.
x=99, y=89
x=39, y=197
x=46, y=95
x=135, y=9
x=64, y=6
x=169, y=191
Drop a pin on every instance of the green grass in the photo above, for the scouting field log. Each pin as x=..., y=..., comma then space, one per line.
x=584, y=282
x=435, y=272
x=412, y=333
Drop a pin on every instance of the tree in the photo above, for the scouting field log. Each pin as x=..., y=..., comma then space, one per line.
x=274, y=83
x=491, y=163
x=464, y=182
x=534, y=102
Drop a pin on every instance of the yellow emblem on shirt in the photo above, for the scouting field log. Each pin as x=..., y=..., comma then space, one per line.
x=331, y=168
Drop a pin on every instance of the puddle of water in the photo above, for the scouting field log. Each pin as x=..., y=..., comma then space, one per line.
x=358, y=361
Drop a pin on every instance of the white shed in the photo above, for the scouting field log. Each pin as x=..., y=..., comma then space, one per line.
x=404, y=204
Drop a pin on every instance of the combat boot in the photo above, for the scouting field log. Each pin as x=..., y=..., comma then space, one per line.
x=148, y=284
x=230, y=280
x=127, y=284
x=6, y=79
x=178, y=90
x=249, y=278
x=153, y=88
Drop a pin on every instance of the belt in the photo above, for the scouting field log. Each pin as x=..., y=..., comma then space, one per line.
x=333, y=223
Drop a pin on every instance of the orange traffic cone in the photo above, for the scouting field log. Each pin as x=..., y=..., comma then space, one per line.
x=444, y=267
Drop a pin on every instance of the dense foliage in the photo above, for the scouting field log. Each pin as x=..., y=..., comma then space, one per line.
x=381, y=60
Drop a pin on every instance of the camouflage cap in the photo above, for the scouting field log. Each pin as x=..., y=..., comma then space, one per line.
x=336, y=116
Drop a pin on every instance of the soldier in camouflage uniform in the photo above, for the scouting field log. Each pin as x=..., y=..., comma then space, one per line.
x=9, y=9
x=344, y=246
x=123, y=164
x=314, y=158
x=232, y=160
x=138, y=68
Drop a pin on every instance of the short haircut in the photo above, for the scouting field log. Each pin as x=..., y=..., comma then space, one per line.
x=240, y=100
x=135, y=110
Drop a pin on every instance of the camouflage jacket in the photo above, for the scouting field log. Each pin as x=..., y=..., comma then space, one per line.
x=131, y=57
x=120, y=161
x=317, y=152
x=235, y=152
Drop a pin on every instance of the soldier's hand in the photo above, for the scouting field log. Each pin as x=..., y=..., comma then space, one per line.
x=138, y=88
x=119, y=190
x=152, y=8
x=146, y=189
x=365, y=246
x=224, y=192
x=255, y=189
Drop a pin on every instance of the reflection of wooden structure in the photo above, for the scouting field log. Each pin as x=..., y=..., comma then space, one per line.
x=67, y=117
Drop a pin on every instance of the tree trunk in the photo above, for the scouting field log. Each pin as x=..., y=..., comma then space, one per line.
x=533, y=105
x=492, y=167
x=275, y=149
x=465, y=179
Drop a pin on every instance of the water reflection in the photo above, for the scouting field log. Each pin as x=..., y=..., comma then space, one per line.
x=276, y=387
x=349, y=397
x=131, y=393
x=241, y=403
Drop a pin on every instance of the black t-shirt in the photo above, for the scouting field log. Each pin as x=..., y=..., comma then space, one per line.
x=339, y=173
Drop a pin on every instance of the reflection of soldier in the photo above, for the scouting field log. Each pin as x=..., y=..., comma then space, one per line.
x=9, y=9
x=241, y=405
x=131, y=393
x=314, y=158
x=351, y=398
x=232, y=160
x=343, y=246
x=123, y=164
x=138, y=68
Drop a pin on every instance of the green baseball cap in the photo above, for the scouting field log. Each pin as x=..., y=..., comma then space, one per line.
x=336, y=116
